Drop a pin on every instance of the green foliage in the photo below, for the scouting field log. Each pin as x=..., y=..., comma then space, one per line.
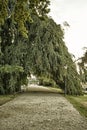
x=47, y=82
x=73, y=83
x=14, y=61
x=3, y=11
x=21, y=15
x=48, y=55
x=44, y=52
x=84, y=58
x=39, y=7
x=83, y=67
x=9, y=78
x=20, y=12
x=14, y=73
x=11, y=69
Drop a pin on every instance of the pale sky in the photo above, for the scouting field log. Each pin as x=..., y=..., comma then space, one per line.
x=75, y=13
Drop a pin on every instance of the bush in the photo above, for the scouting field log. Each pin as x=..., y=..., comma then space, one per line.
x=47, y=82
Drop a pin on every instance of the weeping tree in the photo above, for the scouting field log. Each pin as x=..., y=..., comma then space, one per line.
x=33, y=47
x=48, y=55
x=14, y=16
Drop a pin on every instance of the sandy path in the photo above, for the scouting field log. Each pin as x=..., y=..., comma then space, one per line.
x=40, y=111
x=36, y=88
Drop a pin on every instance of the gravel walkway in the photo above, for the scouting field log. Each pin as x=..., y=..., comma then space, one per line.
x=40, y=111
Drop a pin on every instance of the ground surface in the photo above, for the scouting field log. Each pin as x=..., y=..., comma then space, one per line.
x=40, y=111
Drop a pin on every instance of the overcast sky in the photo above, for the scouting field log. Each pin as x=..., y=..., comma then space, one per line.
x=75, y=13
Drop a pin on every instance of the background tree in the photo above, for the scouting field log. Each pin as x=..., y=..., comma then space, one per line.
x=83, y=66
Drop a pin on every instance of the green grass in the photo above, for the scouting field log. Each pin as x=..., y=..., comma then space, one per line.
x=57, y=90
x=5, y=98
x=80, y=103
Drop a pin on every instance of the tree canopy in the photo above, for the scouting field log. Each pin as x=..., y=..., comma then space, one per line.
x=36, y=47
x=14, y=16
x=20, y=11
x=48, y=55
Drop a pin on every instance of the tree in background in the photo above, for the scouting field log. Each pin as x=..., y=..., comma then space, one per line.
x=83, y=67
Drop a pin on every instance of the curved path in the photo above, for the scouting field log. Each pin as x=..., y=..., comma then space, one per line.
x=40, y=111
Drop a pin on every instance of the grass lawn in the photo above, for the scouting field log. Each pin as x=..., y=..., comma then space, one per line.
x=5, y=98
x=80, y=103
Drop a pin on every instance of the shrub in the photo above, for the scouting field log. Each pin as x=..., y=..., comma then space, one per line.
x=47, y=82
